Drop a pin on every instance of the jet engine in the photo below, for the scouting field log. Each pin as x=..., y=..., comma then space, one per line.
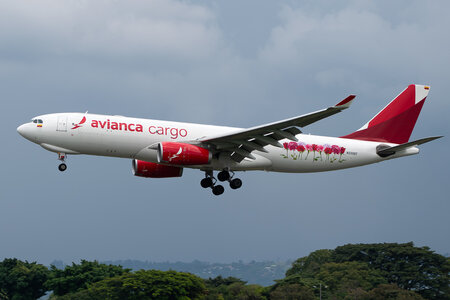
x=153, y=170
x=183, y=154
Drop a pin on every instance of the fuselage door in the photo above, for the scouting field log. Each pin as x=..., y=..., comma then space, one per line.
x=62, y=123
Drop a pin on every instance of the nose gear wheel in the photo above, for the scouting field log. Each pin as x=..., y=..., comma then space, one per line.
x=62, y=157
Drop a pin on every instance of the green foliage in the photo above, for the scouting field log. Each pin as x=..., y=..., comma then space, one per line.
x=299, y=279
x=232, y=288
x=350, y=275
x=363, y=267
x=362, y=271
x=21, y=280
x=219, y=280
x=151, y=284
x=387, y=292
x=78, y=276
x=292, y=292
x=310, y=264
x=412, y=268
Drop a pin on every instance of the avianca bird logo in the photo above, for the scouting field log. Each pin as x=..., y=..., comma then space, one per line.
x=176, y=155
x=75, y=126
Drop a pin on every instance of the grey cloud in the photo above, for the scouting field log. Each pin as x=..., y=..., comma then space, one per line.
x=359, y=40
x=116, y=30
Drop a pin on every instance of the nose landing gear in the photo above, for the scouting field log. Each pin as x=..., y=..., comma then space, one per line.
x=210, y=181
x=62, y=157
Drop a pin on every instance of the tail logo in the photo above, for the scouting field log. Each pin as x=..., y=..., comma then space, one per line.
x=80, y=124
x=176, y=155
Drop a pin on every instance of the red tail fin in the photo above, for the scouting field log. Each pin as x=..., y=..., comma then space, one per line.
x=395, y=122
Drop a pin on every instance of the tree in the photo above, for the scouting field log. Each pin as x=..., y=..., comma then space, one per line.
x=413, y=268
x=78, y=276
x=22, y=280
x=292, y=292
x=389, y=292
x=151, y=284
x=219, y=280
x=340, y=278
x=310, y=264
x=232, y=288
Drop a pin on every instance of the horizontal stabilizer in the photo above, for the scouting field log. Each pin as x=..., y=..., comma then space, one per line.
x=392, y=150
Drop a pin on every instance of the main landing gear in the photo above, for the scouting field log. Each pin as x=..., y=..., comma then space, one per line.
x=62, y=157
x=210, y=181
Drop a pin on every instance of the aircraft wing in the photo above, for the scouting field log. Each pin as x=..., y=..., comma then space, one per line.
x=241, y=143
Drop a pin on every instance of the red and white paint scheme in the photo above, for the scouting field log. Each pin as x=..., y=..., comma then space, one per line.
x=161, y=149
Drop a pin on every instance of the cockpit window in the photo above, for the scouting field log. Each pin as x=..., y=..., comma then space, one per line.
x=34, y=120
x=38, y=121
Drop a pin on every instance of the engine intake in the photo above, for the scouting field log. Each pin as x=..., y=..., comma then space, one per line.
x=154, y=170
x=183, y=154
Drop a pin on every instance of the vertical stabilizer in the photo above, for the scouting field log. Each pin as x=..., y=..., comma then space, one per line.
x=395, y=122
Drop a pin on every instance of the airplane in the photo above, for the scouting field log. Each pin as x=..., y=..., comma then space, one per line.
x=161, y=149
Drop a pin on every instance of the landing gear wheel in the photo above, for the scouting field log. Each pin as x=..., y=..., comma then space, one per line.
x=218, y=190
x=62, y=158
x=235, y=183
x=206, y=182
x=223, y=176
x=62, y=167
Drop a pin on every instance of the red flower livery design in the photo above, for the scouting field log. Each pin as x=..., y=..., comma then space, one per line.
x=75, y=126
x=333, y=153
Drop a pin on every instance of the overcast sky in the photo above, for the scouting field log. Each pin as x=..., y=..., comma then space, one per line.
x=235, y=63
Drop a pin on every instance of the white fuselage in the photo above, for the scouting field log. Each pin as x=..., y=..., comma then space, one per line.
x=119, y=136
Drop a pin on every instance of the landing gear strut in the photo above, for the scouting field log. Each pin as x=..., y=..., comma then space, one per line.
x=62, y=157
x=210, y=181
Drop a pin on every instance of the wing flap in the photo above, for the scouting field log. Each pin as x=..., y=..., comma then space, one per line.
x=282, y=134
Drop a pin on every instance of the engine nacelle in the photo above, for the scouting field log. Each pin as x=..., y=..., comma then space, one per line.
x=153, y=170
x=183, y=154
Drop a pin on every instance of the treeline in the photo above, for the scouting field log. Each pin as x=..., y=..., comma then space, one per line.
x=262, y=273
x=361, y=271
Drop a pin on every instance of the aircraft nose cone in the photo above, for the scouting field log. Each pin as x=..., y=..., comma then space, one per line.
x=21, y=129
x=24, y=131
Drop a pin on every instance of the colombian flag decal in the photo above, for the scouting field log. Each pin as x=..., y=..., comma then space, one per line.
x=39, y=125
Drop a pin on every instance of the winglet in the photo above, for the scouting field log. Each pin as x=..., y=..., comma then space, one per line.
x=346, y=102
